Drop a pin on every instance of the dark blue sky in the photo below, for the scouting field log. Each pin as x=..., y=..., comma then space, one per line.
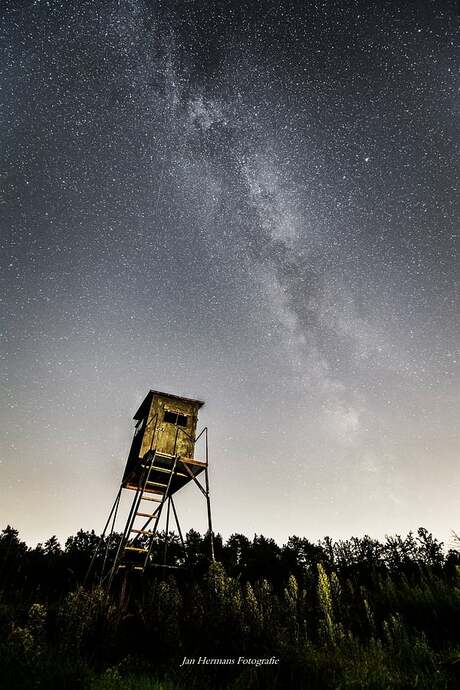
x=253, y=204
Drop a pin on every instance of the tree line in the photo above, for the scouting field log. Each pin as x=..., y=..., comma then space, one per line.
x=357, y=613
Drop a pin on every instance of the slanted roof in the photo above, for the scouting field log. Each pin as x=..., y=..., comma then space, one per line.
x=145, y=404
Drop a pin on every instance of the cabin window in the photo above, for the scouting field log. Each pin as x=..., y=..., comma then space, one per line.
x=175, y=418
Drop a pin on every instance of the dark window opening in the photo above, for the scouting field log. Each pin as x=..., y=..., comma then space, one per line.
x=175, y=418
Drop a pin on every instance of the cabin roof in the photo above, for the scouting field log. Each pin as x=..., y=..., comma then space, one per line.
x=145, y=404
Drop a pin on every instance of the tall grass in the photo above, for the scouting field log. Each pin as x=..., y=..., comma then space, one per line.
x=332, y=623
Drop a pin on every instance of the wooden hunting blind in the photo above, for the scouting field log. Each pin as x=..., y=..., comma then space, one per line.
x=161, y=461
x=166, y=423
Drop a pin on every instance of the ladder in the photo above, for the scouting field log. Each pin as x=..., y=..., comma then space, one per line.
x=137, y=541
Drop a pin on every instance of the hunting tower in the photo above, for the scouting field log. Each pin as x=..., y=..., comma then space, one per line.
x=161, y=461
x=167, y=424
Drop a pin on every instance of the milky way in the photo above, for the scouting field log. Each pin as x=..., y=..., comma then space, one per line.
x=251, y=203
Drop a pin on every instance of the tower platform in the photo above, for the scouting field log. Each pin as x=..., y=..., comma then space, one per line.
x=160, y=472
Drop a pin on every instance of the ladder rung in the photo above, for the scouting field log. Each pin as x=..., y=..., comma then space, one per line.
x=135, y=548
x=142, y=531
x=134, y=487
x=156, y=484
x=163, y=565
x=135, y=567
x=165, y=470
x=176, y=473
x=155, y=500
x=149, y=515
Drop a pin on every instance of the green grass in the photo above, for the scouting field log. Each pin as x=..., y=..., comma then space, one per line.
x=112, y=680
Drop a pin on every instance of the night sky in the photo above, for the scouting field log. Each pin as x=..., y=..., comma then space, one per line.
x=251, y=203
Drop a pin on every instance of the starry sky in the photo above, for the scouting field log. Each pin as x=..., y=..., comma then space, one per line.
x=251, y=203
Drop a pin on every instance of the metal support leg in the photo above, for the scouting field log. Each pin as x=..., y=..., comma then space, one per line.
x=165, y=550
x=178, y=526
x=109, y=539
x=101, y=538
x=208, y=499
